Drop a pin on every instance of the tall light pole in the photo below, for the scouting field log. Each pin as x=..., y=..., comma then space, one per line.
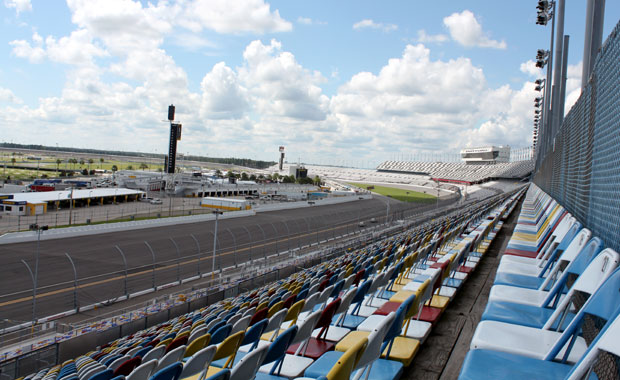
x=217, y=213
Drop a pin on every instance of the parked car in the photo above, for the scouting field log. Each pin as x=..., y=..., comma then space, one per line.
x=373, y=220
x=155, y=201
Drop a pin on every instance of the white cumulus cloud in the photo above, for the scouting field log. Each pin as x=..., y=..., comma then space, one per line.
x=368, y=23
x=423, y=37
x=19, y=5
x=467, y=31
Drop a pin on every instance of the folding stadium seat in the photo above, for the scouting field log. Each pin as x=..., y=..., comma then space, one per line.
x=483, y=364
x=226, y=350
x=370, y=365
x=315, y=347
x=541, y=297
x=558, y=242
x=199, y=361
x=395, y=346
x=272, y=364
x=535, y=342
x=539, y=276
x=248, y=366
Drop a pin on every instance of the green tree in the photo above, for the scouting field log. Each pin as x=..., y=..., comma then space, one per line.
x=253, y=177
x=81, y=162
x=230, y=174
x=101, y=162
x=288, y=179
x=304, y=181
x=129, y=167
x=218, y=173
x=275, y=176
x=85, y=172
x=317, y=180
x=58, y=161
x=160, y=170
x=90, y=162
x=114, y=168
x=143, y=166
x=244, y=176
x=13, y=160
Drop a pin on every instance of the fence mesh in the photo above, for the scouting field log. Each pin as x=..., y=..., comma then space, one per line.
x=582, y=170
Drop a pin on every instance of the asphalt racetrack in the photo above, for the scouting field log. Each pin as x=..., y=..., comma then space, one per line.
x=101, y=270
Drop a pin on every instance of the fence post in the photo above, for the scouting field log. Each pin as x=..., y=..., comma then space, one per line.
x=234, y=246
x=34, y=295
x=178, y=260
x=288, y=235
x=264, y=244
x=197, y=245
x=276, y=238
x=125, y=263
x=249, y=243
x=75, y=284
x=153, y=270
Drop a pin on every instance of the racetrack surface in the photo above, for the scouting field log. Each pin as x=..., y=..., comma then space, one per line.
x=101, y=270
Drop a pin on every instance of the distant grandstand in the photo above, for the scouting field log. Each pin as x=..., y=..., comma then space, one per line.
x=480, y=165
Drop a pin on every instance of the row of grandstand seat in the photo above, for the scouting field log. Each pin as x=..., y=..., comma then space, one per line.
x=553, y=310
x=461, y=171
x=364, y=313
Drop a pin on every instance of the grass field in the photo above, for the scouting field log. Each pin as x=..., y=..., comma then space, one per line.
x=400, y=194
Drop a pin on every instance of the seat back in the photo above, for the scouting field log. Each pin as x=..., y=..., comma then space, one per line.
x=118, y=361
x=155, y=353
x=126, y=367
x=228, y=348
x=569, y=253
x=171, y=357
x=345, y=364
x=293, y=312
x=241, y=324
x=170, y=372
x=305, y=329
x=326, y=317
x=199, y=361
x=220, y=334
x=253, y=333
x=277, y=349
x=576, y=267
x=223, y=374
x=606, y=343
x=604, y=304
x=248, y=366
x=311, y=302
x=197, y=332
x=375, y=341
x=197, y=345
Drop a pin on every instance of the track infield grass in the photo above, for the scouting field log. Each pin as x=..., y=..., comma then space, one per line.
x=399, y=194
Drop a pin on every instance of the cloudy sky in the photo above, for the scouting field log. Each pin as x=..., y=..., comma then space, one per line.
x=353, y=82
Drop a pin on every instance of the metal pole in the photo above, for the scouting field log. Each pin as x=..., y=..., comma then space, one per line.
x=217, y=213
x=36, y=270
x=557, y=69
x=288, y=235
x=264, y=243
x=178, y=260
x=75, y=283
x=563, y=82
x=249, y=243
x=234, y=246
x=276, y=238
x=153, y=270
x=198, y=246
x=124, y=262
x=34, y=294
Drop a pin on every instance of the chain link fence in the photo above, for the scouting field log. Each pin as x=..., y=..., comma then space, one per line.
x=582, y=171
